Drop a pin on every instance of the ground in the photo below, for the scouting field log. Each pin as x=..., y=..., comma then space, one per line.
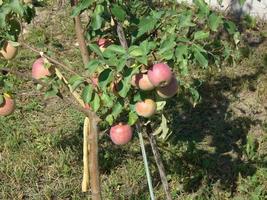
x=218, y=149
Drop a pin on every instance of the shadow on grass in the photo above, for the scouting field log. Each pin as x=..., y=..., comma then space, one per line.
x=215, y=138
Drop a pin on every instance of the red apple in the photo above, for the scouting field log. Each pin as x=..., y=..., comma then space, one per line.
x=94, y=81
x=169, y=90
x=141, y=81
x=102, y=42
x=87, y=106
x=121, y=134
x=146, y=108
x=160, y=75
x=39, y=70
x=8, y=106
x=9, y=51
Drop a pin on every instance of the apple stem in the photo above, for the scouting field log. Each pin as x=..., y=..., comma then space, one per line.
x=149, y=180
x=157, y=156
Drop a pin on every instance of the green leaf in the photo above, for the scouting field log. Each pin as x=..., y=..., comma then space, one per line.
x=195, y=95
x=118, y=12
x=53, y=91
x=124, y=85
x=230, y=27
x=16, y=7
x=105, y=77
x=107, y=100
x=96, y=18
x=116, y=49
x=87, y=93
x=110, y=119
x=163, y=129
x=133, y=117
x=146, y=24
x=82, y=5
x=203, y=7
x=241, y=2
x=96, y=49
x=214, y=21
x=185, y=19
x=96, y=102
x=121, y=65
x=201, y=35
x=4, y=11
x=166, y=50
x=75, y=81
x=117, y=109
x=142, y=59
x=160, y=105
x=136, y=51
x=93, y=65
x=183, y=66
x=181, y=52
x=200, y=58
x=96, y=21
x=1, y=99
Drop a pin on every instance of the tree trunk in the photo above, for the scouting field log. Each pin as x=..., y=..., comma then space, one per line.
x=93, y=160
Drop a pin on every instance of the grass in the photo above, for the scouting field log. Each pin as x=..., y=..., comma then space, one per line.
x=218, y=150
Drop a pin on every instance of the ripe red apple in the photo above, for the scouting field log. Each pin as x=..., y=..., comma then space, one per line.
x=160, y=74
x=9, y=51
x=102, y=42
x=146, y=108
x=94, y=81
x=87, y=106
x=169, y=90
x=121, y=134
x=39, y=70
x=141, y=81
x=8, y=106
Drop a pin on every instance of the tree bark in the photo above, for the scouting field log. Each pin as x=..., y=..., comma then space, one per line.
x=93, y=159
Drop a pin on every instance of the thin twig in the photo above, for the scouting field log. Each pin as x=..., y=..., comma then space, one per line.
x=149, y=179
x=25, y=76
x=81, y=40
x=65, y=67
x=159, y=162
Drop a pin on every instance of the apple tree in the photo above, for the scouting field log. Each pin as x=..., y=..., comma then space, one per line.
x=137, y=58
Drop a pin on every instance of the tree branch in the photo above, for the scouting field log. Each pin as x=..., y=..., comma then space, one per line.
x=25, y=76
x=63, y=66
x=81, y=40
x=159, y=162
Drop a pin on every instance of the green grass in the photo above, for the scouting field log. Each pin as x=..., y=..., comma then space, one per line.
x=218, y=150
